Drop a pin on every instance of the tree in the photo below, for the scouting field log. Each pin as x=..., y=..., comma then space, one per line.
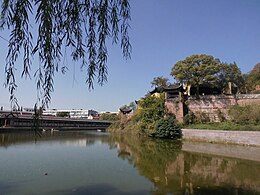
x=79, y=26
x=109, y=116
x=150, y=110
x=197, y=70
x=160, y=82
x=63, y=114
x=231, y=73
x=252, y=79
x=256, y=67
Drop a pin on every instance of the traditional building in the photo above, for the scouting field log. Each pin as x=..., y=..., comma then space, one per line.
x=125, y=110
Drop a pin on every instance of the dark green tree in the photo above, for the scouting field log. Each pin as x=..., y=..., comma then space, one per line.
x=160, y=82
x=197, y=70
x=109, y=116
x=252, y=79
x=80, y=28
x=150, y=110
x=167, y=128
x=231, y=73
x=63, y=114
x=256, y=67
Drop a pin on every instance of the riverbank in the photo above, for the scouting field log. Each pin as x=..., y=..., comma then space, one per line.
x=251, y=138
x=227, y=150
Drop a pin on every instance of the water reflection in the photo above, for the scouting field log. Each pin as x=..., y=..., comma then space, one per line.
x=78, y=138
x=180, y=172
x=65, y=163
x=116, y=164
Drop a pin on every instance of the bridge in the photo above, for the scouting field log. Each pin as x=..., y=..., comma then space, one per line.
x=25, y=121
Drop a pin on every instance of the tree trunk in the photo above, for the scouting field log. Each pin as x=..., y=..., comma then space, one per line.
x=197, y=91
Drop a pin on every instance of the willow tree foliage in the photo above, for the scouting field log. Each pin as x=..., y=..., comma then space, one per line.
x=51, y=29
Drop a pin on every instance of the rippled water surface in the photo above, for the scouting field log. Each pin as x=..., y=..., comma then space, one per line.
x=99, y=163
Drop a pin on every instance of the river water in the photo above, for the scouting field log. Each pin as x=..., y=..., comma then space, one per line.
x=100, y=163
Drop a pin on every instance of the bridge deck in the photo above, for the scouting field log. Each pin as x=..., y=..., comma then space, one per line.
x=15, y=121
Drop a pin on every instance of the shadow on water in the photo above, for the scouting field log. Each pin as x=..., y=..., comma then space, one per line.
x=173, y=170
x=100, y=189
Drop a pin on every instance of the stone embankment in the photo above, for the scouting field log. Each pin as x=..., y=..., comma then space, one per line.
x=241, y=144
x=227, y=150
x=251, y=138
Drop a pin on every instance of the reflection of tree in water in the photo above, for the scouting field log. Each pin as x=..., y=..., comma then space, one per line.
x=208, y=174
x=90, y=141
x=150, y=156
x=175, y=171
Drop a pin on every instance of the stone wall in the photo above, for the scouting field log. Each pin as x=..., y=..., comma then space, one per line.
x=175, y=106
x=212, y=106
x=234, y=137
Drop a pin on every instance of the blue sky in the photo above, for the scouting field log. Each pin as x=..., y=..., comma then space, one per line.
x=162, y=33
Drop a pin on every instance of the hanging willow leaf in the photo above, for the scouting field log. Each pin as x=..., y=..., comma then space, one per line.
x=83, y=26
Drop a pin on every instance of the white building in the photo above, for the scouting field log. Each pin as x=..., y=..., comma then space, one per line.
x=72, y=113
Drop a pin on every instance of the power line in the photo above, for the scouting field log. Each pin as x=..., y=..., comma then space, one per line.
x=4, y=39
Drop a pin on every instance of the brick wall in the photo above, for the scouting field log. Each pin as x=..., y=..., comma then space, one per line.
x=175, y=106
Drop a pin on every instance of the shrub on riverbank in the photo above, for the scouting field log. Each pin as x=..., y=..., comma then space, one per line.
x=167, y=128
x=109, y=117
x=249, y=114
x=143, y=120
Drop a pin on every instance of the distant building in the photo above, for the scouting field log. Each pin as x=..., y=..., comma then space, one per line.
x=171, y=91
x=72, y=113
x=106, y=112
x=125, y=109
x=157, y=91
x=28, y=109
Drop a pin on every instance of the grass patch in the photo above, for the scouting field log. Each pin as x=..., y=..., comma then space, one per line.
x=224, y=126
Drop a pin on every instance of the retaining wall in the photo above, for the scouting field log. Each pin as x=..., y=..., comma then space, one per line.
x=228, y=150
x=236, y=137
x=210, y=105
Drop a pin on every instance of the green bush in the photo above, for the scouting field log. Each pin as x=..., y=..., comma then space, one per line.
x=202, y=117
x=167, y=128
x=221, y=116
x=224, y=126
x=63, y=114
x=249, y=114
x=150, y=109
x=189, y=118
x=109, y=117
